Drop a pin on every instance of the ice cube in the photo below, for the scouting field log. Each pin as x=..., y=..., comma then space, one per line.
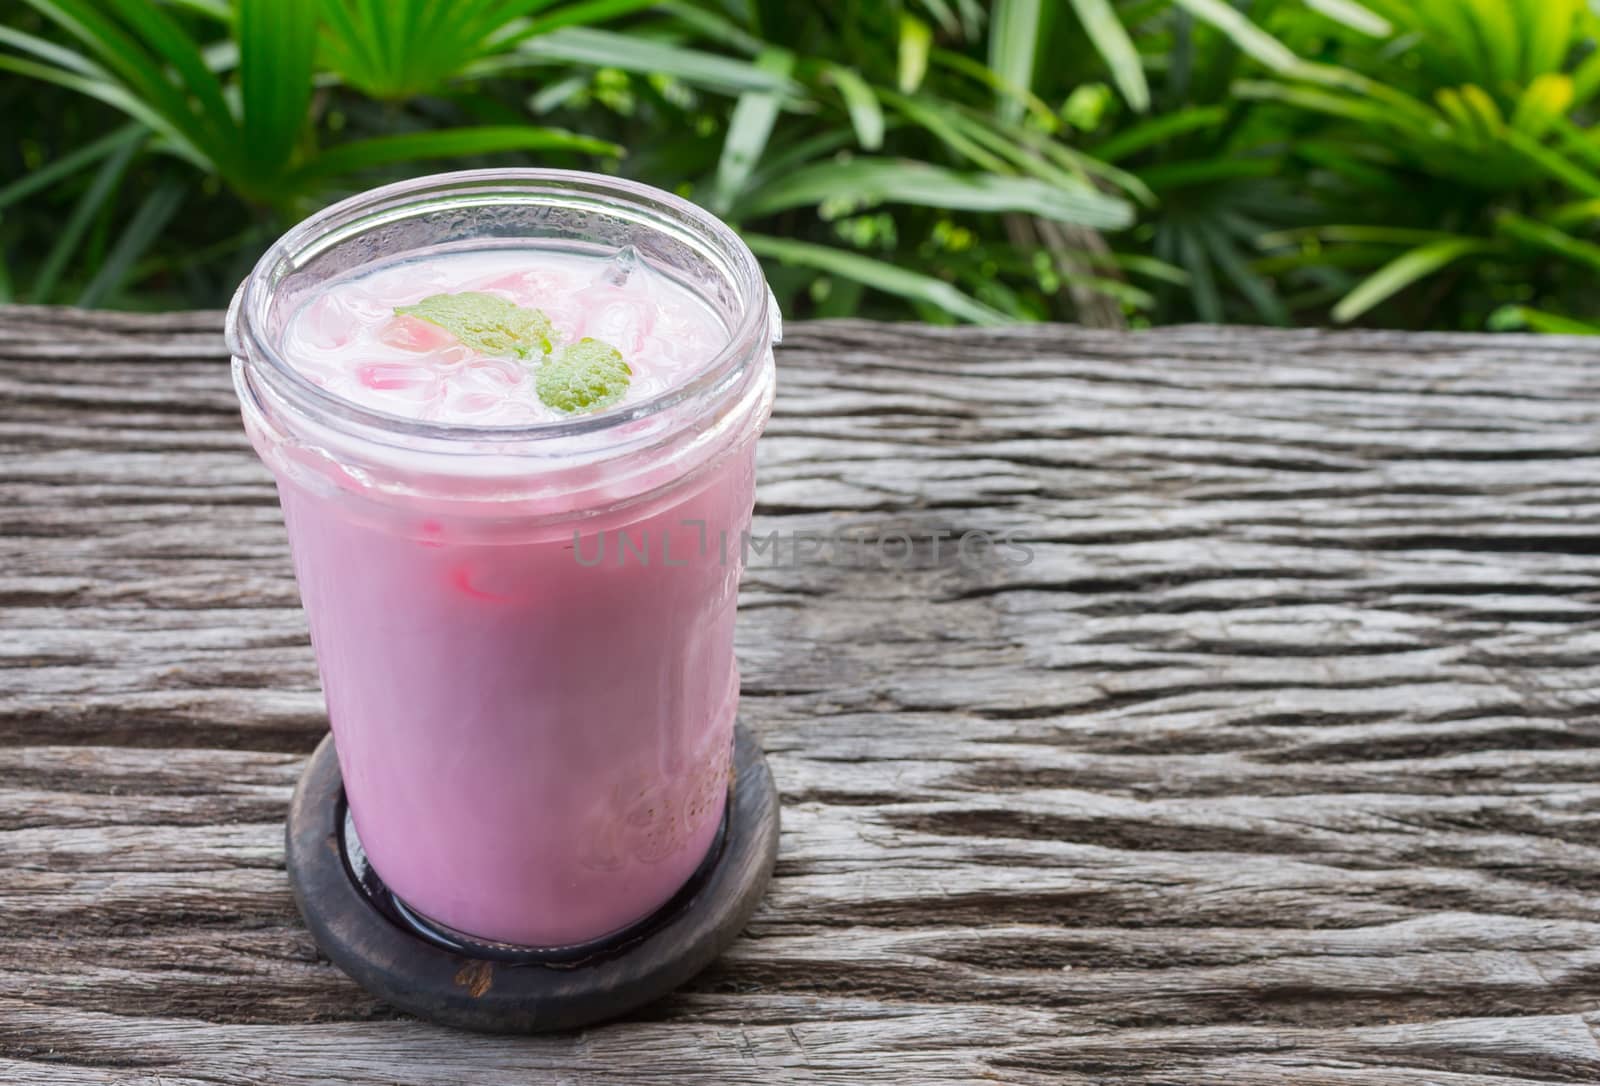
x=390, y=376
x=412, y=334
x=328, y=322
x=619, y=267
x=620, y=318
x=528, y=288
x=492, y=373
x=476, y=403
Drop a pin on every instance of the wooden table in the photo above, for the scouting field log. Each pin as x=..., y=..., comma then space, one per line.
x=1278, y=764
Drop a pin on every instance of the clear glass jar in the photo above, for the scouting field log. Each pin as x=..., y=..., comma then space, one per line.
x=525, y=634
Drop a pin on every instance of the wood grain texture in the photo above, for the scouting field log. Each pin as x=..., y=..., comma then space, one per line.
x=1278, y=764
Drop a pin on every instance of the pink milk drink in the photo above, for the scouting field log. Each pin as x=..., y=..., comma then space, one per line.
x=512, y=418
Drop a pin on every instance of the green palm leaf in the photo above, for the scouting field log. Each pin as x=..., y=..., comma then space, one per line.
x=866, y=115
x=1511, y=317
x=1247, y=36
x=878, y=275
x=278, y=40
x=748, y=131
x=1013, y=38
x=874, y=180
x=445, y=143
x=143, y=228
x=70, y=163
x=916, y=41
x=1353, y=15
x=102, y=189
x=1403, y=271
x=632, y=53
x=1111, y=40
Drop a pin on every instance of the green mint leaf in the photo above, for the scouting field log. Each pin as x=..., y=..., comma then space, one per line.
x=586, y=376
x=486, y=323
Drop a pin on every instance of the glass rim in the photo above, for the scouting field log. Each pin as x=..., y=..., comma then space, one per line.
x=351, y=216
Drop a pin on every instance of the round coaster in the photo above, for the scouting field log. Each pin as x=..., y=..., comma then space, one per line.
x=439, y=975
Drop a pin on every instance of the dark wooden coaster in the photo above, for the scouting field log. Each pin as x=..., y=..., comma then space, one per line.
x=357, y=924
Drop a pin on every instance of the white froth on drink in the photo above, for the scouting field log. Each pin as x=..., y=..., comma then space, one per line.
x=348, y=339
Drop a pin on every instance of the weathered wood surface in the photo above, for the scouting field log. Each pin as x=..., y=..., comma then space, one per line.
x=1278, y=766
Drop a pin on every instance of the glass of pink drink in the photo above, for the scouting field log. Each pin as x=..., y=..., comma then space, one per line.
x=522, y=613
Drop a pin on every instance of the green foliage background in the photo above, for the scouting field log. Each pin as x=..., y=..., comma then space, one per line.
x=1405, y=163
